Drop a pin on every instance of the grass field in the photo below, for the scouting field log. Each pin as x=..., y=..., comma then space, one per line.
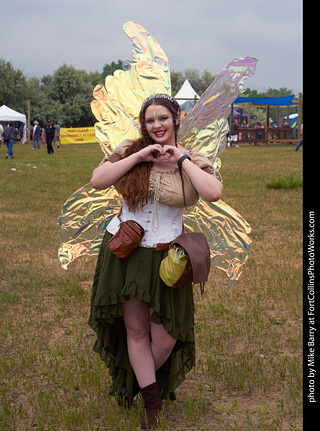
x=249, y=342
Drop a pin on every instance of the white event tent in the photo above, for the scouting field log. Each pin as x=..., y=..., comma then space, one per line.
x=186, y=92
x=8, y=114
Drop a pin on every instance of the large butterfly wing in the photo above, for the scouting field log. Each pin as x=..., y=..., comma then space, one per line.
x=205, y=128
x=83, y=221
x=117, y=104
x=227, y=234
x=87, y=212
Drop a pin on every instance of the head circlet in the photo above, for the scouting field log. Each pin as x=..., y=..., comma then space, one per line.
x=157, y=96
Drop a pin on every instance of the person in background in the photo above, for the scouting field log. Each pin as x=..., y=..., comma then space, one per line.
x=21, y=130
x=9, y=135
x=43, y=137
x=1, y=131
x=233, y=134
x=301, y=139
x=36, y=135
x=258, y=133
x=50, y=131
x=57, y=135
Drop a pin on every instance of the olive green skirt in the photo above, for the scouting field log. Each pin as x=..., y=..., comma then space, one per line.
x=114, y=282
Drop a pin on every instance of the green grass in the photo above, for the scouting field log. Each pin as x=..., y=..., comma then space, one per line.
x=248, y=374
x=288, y=181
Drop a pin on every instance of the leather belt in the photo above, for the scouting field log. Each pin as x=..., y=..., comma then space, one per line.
x=162, y=246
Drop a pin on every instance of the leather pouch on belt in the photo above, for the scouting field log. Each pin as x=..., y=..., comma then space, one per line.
x=126, y=239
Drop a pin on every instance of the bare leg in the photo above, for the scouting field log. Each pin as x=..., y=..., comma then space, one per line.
x=146, y=356
x=162, y=343
x=137, y=321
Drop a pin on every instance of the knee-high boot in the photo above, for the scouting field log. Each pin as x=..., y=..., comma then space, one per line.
x=152, y=404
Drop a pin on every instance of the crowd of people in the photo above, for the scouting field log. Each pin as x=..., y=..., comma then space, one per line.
x=236, y=133
x=47, y=134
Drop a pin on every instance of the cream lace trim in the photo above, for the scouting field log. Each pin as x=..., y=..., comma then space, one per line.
x=155, y=216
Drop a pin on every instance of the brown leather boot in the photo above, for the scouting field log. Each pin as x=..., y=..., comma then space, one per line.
x=152, y=404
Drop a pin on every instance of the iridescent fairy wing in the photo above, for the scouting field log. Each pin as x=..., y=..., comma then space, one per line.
x=87, y=212
x=83, y=221
x=227, y=234
x=119, y=101
x=205, y=128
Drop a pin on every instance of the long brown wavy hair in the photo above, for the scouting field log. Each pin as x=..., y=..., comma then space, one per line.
x=134, y=185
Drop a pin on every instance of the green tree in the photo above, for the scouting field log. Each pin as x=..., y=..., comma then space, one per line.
x=12, y=87
x=177, y=79
x=271, y=92
x=37, y=94
x=66, y=95
x=109, y=69
x=199, y=81
x=206, y=80
x=72, y=90
x=194, y=77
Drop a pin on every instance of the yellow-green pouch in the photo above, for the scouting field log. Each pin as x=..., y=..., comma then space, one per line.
x=173, y=266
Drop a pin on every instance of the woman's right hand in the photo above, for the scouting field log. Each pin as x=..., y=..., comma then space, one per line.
x=151, y=153
x=109, y=173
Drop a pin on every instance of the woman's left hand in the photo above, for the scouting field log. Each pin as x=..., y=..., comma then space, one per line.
x=206, y=184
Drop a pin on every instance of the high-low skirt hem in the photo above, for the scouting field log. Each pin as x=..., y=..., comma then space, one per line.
x=114, y=282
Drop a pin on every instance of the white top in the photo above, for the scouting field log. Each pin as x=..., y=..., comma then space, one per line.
x=162, y=223
x=161, y=216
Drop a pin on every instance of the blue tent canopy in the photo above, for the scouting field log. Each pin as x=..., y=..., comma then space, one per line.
x=272, y=101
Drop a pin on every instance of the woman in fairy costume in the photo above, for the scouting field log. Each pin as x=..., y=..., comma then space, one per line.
x=145, y=329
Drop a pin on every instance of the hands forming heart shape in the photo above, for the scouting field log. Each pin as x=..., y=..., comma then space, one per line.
x=167, y=153
x=160, y=153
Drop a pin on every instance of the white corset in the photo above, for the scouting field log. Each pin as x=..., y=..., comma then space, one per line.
x=162, y=223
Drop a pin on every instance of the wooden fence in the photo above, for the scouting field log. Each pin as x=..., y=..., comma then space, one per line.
x=268, y=135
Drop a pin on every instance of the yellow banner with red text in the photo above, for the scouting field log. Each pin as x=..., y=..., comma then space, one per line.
x=77, y=135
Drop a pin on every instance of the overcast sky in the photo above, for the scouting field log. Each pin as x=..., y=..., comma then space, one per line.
x=38, y=36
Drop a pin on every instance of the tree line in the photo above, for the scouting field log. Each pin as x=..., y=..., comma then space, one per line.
x=66, y=95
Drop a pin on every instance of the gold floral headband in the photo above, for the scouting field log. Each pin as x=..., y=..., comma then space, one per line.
x=158, y=96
